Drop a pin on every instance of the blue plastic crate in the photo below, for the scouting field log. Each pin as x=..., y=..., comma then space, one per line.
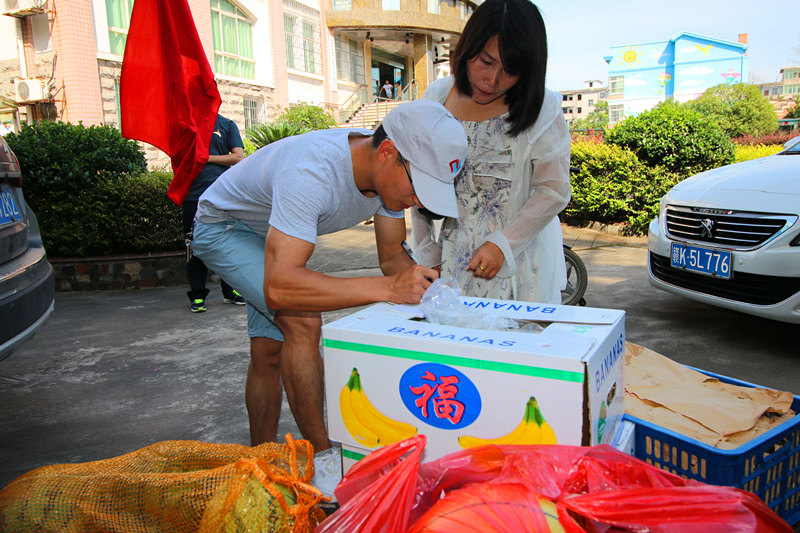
x=768, y=466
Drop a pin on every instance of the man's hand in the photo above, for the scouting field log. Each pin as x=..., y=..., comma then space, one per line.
x=289, y=284
x=408, y=286
x=487, y=261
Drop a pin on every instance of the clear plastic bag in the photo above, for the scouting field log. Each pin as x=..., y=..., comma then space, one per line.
x=442, y=305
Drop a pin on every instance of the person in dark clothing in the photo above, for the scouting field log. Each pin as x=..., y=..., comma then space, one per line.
x=225, y=150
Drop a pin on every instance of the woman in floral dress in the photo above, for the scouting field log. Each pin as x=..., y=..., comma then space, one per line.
x=506, y=243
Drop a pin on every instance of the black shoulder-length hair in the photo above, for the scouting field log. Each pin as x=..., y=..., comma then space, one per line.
x=522, y=42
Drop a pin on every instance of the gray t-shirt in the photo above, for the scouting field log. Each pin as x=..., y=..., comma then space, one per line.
x=302, y=185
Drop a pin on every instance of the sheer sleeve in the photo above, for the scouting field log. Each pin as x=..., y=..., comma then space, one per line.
x=549, y=194
x=427, y=250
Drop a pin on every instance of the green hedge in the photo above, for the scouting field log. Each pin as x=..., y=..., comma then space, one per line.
x=613, y=186
x=115, y=215
x=60, y=154
x=91, y=192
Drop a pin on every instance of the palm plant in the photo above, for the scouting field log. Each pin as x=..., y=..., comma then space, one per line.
x=269, y=132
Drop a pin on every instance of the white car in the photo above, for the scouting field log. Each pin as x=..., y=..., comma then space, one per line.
x=730, y=237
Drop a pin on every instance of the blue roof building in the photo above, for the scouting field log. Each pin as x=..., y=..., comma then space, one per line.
x=644, y=74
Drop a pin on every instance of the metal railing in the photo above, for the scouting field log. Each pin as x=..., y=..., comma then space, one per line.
x=356, y=104
x=374, y=112
x=352, y=104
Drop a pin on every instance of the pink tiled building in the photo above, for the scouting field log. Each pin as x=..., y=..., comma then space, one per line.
x=61, y=59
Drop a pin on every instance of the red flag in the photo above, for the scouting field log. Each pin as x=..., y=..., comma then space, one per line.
x=168, y=96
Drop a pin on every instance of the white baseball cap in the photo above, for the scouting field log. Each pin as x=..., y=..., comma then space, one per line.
x=433, y=142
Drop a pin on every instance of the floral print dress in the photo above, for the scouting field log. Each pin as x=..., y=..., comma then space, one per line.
x=482, y=190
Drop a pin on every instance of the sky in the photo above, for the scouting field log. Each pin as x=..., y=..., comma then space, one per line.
x=581, y=32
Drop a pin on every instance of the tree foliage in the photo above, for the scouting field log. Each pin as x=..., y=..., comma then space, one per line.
x=596, y=120
x=672, y=136
x=794, y=112
x=308, y=116
x=738, y=108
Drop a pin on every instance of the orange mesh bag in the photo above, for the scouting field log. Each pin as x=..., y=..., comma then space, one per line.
x=175, y=486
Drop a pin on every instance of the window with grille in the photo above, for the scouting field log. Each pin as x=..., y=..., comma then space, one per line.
x=615, y=113
x=253, y=112
x=342, y=5
x=349, y=60
x=117, y=105
x=118, y=16
x=232, y=31
x=301, y=27
x=465, y=9
x=616, y=84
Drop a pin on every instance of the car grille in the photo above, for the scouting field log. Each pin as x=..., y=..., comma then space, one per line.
x=742, y=287
x=740, y=231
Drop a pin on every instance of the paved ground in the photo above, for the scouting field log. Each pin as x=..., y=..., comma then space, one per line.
x=113, y=371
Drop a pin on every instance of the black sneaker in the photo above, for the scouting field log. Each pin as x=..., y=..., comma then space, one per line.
x=198, y=306
x=232, y=297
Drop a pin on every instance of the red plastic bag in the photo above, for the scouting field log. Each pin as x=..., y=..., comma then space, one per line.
x=599, y=486
x=705, y=509
x=377, y=492
x=594, y=488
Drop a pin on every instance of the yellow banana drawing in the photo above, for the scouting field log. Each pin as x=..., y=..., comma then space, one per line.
x=533, y=429
x=367, y=417
x=351, y=422
x=525, y=433
x=387, y=429
x=548, y=436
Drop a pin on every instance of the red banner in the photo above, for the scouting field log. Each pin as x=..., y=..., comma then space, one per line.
x=168, y=96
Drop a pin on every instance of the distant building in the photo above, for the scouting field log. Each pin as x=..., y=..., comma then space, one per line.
x=782, y=94
x=682, y=68
x=787, y=86
x=578, y=104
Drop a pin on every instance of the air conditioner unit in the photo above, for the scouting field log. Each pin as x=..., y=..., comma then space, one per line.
x=29, y=89
x=23, y=8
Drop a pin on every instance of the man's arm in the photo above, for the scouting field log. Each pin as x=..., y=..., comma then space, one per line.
x=227, y=160
x=289, y=284
x=389, y=233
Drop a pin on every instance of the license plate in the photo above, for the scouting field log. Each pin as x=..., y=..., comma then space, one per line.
x=707, y=261
x=8, y=207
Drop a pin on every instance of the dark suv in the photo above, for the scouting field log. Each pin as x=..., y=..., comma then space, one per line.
x=27, y=284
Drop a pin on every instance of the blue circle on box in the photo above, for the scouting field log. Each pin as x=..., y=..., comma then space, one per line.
x=440, y=396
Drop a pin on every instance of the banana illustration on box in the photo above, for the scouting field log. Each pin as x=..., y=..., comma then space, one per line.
x=365, y=423
x=533, y=429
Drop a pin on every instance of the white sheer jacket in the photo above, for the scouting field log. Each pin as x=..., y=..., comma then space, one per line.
x=540, y=189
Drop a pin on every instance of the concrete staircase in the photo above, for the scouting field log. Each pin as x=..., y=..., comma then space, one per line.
x=370, y=115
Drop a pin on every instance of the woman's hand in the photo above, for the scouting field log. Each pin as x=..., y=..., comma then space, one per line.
x=487, y=261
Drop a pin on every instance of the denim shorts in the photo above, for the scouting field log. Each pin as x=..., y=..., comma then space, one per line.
x=236, y=253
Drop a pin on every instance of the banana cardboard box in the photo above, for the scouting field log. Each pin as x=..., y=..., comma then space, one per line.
x=390, y=375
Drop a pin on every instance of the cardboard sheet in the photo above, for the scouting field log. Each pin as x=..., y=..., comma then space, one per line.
x=695, y=405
